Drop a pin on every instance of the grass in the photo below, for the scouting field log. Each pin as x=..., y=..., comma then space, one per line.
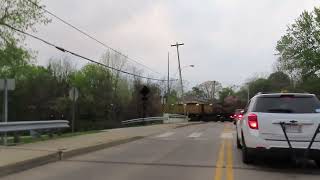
x=44, y=137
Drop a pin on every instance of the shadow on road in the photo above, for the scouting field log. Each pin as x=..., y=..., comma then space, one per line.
x=285, y=166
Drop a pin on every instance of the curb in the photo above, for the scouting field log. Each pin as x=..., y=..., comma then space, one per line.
x=28, y=164
x=84, y=150
x=54, y=157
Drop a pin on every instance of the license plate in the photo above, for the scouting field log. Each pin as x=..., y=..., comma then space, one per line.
x=293, y=128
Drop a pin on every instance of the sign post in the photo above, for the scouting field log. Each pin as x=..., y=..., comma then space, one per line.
x=73, y=94
x=6, y=85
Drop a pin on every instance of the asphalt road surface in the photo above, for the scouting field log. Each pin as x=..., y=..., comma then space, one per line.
x=199, y=152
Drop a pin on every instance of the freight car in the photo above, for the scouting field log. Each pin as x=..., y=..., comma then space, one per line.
x=197, y=111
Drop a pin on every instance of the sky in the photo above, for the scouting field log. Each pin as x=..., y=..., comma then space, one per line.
x=226, y=40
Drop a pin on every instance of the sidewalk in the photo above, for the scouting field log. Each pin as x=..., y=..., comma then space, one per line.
x=25, y=156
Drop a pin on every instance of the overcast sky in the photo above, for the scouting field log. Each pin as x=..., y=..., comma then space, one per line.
x=226, y=40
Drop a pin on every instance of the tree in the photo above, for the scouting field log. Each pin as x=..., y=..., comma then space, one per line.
x=34, y=100
x=210, y=89
x=259, y=85
x=95, y=87
x=20, y=14
x=61, y=68
x=116, y=61
x=279, y=81
x=24, y=16
x=195, y=93
x=298, y=49
x=13, y=61
x=225, y=92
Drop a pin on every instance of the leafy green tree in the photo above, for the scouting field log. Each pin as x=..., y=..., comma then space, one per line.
x=259, y=85
x=298, y=49
x=225, y=92
x=13, y=61
x=173, y=97
x=33, y=100
x=310, y=85
x=20, y=14
x=242, y=94
x=279, y=81
x=93, y=82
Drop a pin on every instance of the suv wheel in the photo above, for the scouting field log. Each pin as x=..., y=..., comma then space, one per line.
x=246, y=158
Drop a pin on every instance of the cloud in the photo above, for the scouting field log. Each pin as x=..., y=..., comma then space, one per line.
x=226, y=40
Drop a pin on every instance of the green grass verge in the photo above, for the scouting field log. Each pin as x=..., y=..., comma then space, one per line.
x=45, y=137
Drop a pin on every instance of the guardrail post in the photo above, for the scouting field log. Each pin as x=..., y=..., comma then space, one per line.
x=60, y=153
x=16, y=138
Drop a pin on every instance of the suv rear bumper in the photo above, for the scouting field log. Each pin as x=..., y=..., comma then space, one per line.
x=253, y=139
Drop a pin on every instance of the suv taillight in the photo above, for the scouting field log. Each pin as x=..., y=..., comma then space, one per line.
x=253, y=121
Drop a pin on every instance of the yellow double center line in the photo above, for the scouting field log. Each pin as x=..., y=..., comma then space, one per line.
x=221, y=164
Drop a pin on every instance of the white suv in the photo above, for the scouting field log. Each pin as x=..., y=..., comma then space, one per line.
x=259, y=132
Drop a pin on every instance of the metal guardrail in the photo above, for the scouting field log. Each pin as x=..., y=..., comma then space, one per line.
x=177, y=116
x=147, y=119
x=153, y=119
x=32, y=125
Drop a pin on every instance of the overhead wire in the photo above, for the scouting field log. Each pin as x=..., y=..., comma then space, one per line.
x=80, y=56
x=89, y=36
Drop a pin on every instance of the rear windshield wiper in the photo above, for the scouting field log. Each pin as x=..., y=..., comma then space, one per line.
x=280, y=110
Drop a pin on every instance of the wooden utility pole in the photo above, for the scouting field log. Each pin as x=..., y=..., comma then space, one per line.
x=181, y=84
x=168, y=81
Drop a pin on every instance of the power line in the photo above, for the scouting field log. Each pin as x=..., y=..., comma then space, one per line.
x=89, y=36
x=80, y=56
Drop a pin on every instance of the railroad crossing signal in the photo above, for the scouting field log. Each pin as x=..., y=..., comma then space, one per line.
x=144, y=92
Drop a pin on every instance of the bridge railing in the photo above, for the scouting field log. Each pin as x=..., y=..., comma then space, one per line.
x=167, y=118
x=32, y=125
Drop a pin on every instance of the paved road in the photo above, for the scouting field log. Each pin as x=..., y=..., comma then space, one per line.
x=206, y=151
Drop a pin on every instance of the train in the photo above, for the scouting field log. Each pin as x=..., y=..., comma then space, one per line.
x=200, y=111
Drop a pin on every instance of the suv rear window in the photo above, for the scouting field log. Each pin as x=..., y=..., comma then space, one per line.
x=287, y=104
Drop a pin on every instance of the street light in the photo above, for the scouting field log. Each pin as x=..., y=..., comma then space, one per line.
x=191, y=65
x=184, y=67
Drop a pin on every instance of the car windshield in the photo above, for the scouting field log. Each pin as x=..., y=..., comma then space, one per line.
x=307, y=104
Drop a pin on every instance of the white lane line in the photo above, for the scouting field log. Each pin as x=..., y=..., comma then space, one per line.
x=167, y=134
x=195, y=135
x=227, y=135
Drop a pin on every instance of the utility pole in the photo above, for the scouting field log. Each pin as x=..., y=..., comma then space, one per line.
x=181, y=84
x=73, y=109
x=248, y=93
x=214, y=91
x=168, y=75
